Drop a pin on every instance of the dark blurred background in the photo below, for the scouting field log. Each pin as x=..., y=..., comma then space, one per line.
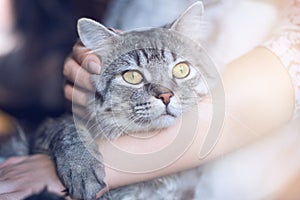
x=31, y=79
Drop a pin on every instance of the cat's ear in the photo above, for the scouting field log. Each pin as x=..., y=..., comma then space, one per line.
x=93, y=34
x=189, y=22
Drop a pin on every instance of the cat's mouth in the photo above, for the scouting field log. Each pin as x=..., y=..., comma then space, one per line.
x=168, y=113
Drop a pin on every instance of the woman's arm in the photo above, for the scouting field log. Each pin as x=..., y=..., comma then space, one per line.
x=21, y=176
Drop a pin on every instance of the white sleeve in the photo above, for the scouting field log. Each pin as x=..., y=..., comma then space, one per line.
x=285, y=44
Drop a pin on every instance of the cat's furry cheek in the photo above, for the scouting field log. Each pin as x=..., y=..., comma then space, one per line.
x=163, y=122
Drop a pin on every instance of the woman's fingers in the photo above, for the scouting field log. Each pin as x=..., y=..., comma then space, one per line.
x=78, y=69
x=77, y=75
x=76, y=95
x=68, y=90
x=14, y=195
x=79, y=98
x=79, y=52
x=12, y=160
x=89, y=61
x=22, y=176
x=81, y=112
x=8, y=186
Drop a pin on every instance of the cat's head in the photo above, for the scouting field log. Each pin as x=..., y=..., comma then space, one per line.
x=150, y=76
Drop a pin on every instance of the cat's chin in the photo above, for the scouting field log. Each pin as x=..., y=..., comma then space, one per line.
x=164, y=121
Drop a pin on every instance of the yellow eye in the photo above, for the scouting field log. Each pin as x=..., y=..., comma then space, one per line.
x=133, y=77
x=181, y=70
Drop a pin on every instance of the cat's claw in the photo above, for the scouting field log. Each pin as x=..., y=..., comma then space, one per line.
x=82, y=177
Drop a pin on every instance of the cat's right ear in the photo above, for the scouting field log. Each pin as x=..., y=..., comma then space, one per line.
x=93, y=34
x=190, y=22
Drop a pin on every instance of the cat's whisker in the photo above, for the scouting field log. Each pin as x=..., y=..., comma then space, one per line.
x=90, y=119
x=133, y=117
x=141, y=123
x=148, y=125
x=95, y=50
x=117, y=111
x=91, y=127
x=103, y=131
x=189, y=97
x=100, y=132
x=87, y=114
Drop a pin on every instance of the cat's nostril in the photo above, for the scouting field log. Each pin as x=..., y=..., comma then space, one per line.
x=165, y=97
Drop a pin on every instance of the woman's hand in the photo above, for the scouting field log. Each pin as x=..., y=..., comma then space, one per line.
x=78, y=68
x=24, y=175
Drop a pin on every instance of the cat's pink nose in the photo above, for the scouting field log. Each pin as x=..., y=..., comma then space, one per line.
x=165, y=97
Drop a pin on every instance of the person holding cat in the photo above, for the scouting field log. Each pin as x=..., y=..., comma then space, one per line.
x=273, y=65
x=259, y=108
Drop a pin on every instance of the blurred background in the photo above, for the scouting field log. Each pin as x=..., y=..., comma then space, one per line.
x=35, y=38
x=37, y=35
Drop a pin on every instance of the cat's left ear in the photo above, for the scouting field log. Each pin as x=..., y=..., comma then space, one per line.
x=189, y=22
x=92, y=34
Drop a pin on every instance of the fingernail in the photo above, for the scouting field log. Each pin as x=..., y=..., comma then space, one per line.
x=94, y=67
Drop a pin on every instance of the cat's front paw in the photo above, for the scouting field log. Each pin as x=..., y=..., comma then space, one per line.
x=82, y=174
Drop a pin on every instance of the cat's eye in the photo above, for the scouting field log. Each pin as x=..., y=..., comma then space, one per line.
x=181, y=70
x=133, y=77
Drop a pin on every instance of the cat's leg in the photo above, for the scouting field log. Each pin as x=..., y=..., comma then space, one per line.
x=77, y=158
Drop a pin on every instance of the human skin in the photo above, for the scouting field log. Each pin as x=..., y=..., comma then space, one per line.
x=24, y=175
x=259, y=99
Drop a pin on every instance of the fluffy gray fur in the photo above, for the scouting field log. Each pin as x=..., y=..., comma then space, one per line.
x=118, y=107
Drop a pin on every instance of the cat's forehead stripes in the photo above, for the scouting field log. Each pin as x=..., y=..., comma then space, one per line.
x=174, y=55
x=144, y=57
x=144, y=53
x=136, y=57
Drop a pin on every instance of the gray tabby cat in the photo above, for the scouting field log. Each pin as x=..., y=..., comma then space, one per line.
x=148, y=78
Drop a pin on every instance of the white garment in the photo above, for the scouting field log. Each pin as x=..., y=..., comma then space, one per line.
x=285, y=43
